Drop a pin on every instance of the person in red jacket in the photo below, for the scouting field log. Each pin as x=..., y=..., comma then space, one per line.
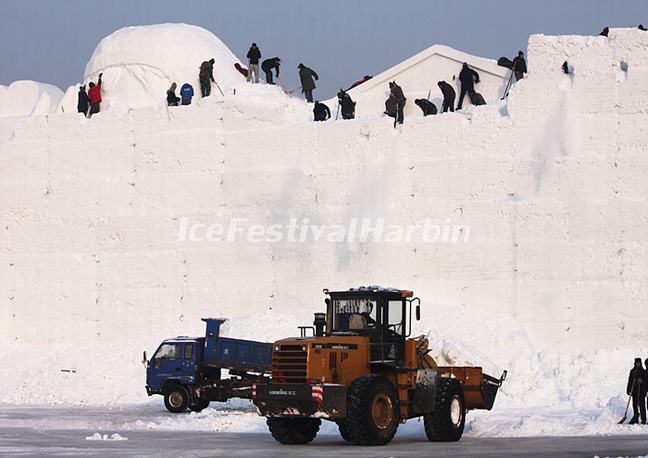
x=94, y=96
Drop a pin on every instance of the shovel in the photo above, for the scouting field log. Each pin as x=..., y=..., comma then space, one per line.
x=625, y=415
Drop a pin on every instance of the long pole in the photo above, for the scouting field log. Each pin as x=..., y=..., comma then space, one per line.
x=219, y=89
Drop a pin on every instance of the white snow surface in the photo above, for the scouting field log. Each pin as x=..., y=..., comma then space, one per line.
x=550, y=286
x=29, y=98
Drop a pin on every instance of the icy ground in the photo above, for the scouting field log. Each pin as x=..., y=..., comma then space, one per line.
x=239, y=416
x=147, y=430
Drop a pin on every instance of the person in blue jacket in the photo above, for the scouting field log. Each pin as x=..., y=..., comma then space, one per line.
x=186, y=93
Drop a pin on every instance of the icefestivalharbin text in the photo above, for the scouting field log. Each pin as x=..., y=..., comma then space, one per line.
x=303, y=231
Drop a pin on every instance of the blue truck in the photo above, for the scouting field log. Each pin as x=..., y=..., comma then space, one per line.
x=187, y=370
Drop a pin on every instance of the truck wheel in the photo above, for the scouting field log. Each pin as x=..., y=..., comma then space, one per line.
x=201, y=405
x=176, y=399
x=293, y=430
x=344, y=430
x=372, y=407
x=446, y=422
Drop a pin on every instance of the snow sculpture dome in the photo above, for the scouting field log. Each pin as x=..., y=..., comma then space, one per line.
x=140, y=63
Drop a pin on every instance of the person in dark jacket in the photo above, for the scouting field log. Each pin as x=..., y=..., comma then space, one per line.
x=94, y=96
x=253, y=55
x=206, y=77
x=268, y=65
x=468, y=78
x=397, y=92
x=347, y=105
x=321, y=112
x=391, y=107
x=307, y=76
x=426, y=106
x=83, y=101
x=186, y=93
x=172, y=98
x=635, y=388
x=449, y=95
x=519, y=66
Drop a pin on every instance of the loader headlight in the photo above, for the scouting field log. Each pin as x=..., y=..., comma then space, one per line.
x=304, y=347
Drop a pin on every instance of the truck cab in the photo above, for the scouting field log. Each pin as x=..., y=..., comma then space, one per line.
x=174, y=360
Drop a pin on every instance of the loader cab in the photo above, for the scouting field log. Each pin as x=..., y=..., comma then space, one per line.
x=383, y=315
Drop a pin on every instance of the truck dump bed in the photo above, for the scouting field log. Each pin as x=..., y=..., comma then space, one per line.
x=235, y=354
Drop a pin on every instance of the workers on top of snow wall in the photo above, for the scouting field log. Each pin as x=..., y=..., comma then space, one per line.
x=253, y=55
x=347, y=105
x=307, y=77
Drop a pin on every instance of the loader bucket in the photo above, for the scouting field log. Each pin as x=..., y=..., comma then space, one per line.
x=479, y=389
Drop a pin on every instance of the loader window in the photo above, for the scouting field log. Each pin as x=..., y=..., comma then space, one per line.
x=354, y=315
x=396, y=316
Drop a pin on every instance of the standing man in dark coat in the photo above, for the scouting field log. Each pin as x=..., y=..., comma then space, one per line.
x=307, y=77
x=396, y=91
x=253, y=55
x=267, y=66
x=519, y=66
x=83, y=102
x=206, y=77
x=635, y=388
x=468, y=78
x=449, y=95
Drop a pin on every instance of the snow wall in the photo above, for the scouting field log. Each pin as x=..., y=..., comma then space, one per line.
x=551, y=184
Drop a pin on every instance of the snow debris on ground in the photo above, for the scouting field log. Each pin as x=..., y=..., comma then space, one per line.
x=106, y=437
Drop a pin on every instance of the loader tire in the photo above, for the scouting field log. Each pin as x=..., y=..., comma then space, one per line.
x=176, y=399
x=372, y=410
x=344, y=430
x=200, y=405
x=293, y=430
x=446, y=422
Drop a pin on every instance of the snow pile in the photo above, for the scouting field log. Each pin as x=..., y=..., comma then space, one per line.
x=95, y=266
x=106, y=437
x=140, y=63
x=29, y=98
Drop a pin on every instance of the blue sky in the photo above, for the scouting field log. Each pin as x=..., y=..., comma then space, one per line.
x=51, y=40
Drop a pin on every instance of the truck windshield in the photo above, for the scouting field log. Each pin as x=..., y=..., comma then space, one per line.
x=354, y=315
x=168, y=351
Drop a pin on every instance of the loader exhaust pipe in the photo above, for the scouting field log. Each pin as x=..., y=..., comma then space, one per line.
x=319, y=323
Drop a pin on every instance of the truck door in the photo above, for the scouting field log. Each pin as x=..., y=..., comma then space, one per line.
x=166, y=363
x=189, y=365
